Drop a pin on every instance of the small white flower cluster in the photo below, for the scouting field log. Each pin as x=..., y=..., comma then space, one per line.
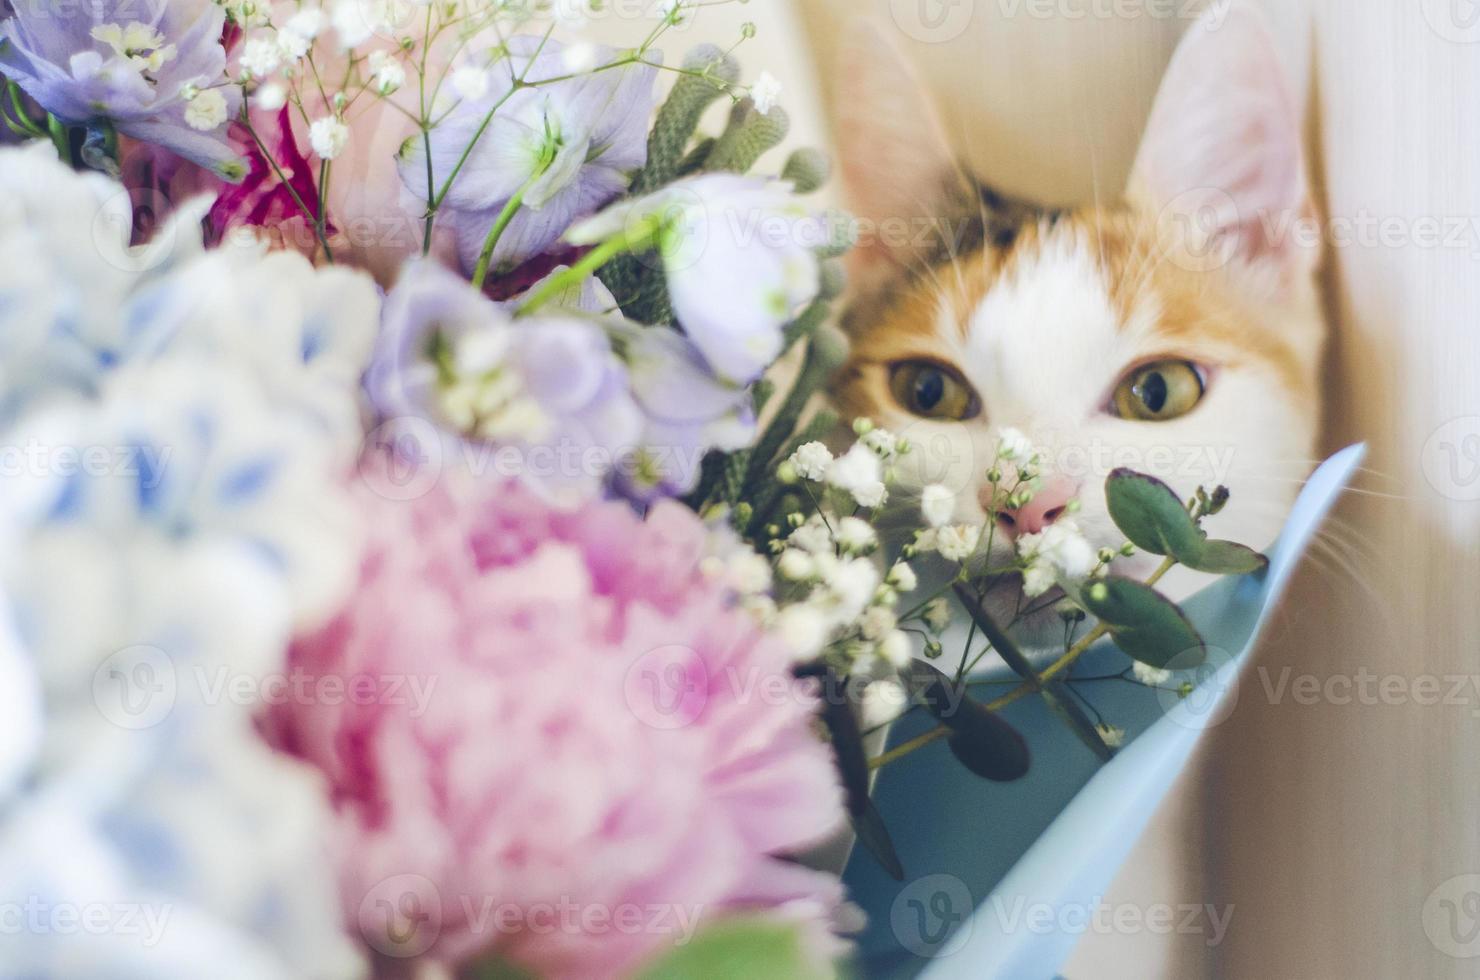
x=1060, y=551
x=832, y=597
x=861, y=472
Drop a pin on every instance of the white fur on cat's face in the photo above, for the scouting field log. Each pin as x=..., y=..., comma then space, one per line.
x=1045, y=347
x=1044, y=323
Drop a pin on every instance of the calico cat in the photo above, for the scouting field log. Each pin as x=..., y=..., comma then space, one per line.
x=1176, y=330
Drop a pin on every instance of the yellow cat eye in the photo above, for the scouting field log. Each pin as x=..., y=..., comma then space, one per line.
x=1159, y=392
x=933, y=391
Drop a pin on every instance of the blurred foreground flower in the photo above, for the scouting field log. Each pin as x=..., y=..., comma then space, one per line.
x=740, y=255
x=602, y=729
x=154, y=71
x=170, y=510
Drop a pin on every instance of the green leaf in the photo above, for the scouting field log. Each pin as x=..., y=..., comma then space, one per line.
x=853, y=770
x=981, y=739
x=874, y=836
x=1145, y=624
x=1151, y=515
x=1227, y=558
x=741, y=949
x=1055, y=694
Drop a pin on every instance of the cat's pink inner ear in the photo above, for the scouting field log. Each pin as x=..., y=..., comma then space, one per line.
x=1222, y=153
x=897, y=165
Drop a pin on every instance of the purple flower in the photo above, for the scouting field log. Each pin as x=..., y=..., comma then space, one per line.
x=739, y=256
x=156, y=71
x=546, y=395
x=568, y=146
x=688, y=411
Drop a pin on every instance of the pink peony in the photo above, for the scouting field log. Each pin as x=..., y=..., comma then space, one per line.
x=569, y=747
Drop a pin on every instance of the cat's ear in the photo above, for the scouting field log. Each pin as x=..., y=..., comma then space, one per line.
x=900, y=177
x=1222, y=157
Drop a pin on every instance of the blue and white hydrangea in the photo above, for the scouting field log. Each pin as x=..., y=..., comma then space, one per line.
x=175, y=440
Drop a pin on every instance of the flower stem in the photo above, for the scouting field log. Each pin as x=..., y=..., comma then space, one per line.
x=914, y=744
x=638, y=238
x=500, y=225
x=1023, y=689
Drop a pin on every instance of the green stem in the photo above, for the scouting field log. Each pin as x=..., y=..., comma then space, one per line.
x=308, y=215
x=1024, y=688
x=635, y=240
x=913, y=745
x=61, y=138
x=501, y=224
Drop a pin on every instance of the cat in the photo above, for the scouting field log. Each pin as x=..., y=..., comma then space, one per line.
x=1176, y=331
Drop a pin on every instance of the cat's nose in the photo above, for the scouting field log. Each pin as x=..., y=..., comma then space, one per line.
x=1047, y=505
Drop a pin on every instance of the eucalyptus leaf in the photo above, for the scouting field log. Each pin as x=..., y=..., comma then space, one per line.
x=741, y=949
x=1151, y=515
x=981, y=739
x=1145, y=624
x=853, y=770
x=1227, y=558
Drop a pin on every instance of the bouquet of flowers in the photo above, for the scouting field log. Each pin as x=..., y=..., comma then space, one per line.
x=427, y=550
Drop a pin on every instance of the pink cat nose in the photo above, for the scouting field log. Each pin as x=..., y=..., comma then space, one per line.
x=1048, y=505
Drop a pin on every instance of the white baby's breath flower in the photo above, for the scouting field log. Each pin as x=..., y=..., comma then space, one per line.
x=903, y=577
x=957, y=542
x=1149, y=675
x=881, y=441
x=766, y=93
x=871, y=494
x=855, y=535
x=1060, y=548
x=853, y=585
x=796, y=565
x=1038, y=578
x=856, y=469
x=1113, y=735
x=803, y=629
x=812, y=537
x=747, y=572
x=876, y=623
x=895, y=649
x=207, y=111
x=261, y=57
x=579, y=57
x=882, y=702
x=937, y=504
x=293, y=45
x=937, y=614
x=271, y=97
x=470, y=82
x=306, y=23
x=328, y=137
x=811, y=461
x=1013, y=444
x=389, y=77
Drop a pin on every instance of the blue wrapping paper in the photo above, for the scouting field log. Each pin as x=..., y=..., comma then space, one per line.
x=1002, y=880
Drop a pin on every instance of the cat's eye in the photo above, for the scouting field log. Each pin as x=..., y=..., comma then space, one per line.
x=1159, y=392
x=933, y=391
